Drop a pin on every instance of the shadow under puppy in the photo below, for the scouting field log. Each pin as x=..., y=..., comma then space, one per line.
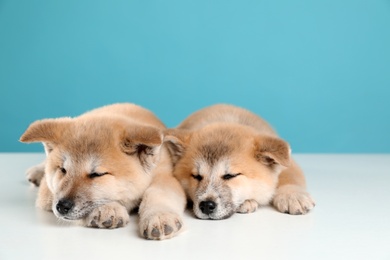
x=230, y=160
x=100, y=164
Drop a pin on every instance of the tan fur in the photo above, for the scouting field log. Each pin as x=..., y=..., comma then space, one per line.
x=100, y=164
x=230, y=160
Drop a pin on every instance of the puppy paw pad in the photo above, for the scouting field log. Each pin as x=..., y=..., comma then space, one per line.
x=93, y=224
x=108, y=216
x=155, y=233
x=160, y=226
x=167, y=230
x=108, y=223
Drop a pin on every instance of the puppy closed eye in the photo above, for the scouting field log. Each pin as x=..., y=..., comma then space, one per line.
x=63, y=170
x=229, y=176
x=96, y=174
x=197, y=177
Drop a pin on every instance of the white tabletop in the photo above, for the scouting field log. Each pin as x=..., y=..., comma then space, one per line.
x=351, y=221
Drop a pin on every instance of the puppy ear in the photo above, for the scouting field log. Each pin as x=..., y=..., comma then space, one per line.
x=272, y=151
x=47, y=131
x=144, y=142
x=176, y=141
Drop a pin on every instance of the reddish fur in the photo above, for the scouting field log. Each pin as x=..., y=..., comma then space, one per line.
x=122, y=140
x=252, y=148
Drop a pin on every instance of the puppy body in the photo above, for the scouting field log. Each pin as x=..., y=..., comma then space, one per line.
x=100, y=164
x=230, y=160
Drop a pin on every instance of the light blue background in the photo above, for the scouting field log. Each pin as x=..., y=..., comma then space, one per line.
x=319, y=71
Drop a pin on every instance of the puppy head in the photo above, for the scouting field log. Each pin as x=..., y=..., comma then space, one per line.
x=92, y=161
x=222, y=166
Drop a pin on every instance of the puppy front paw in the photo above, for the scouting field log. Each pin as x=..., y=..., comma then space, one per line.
x=293, y=199
x=248, y=206
x=160, y=225
x=111, y=215
x=35, y=174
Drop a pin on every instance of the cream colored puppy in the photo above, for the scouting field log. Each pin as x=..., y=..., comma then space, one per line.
x=230, y=160
x=100, y=164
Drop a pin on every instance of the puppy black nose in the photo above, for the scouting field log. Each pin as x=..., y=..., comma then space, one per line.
x=207, y=207
x=64, y=206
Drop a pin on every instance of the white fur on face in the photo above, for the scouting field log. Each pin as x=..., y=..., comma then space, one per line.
x=228, y=195
x=62, y=185
x=213, y=188
x=211, y=178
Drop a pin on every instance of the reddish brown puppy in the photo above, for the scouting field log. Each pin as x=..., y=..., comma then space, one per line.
x=230, y=160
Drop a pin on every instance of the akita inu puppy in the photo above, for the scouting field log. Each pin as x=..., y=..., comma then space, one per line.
x=100, y=164
x=230, y=160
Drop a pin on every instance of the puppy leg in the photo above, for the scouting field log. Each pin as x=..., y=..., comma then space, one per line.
x=291, y=196
x=45, y=197
x=249, y=206
x=35, y=173
x=161, y=208
x=110, y=215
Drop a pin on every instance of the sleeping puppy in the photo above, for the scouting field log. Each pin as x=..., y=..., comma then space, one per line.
x=100, y=164
x=230, y=160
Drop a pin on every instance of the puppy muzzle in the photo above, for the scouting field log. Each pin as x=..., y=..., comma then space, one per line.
x=68, y=209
